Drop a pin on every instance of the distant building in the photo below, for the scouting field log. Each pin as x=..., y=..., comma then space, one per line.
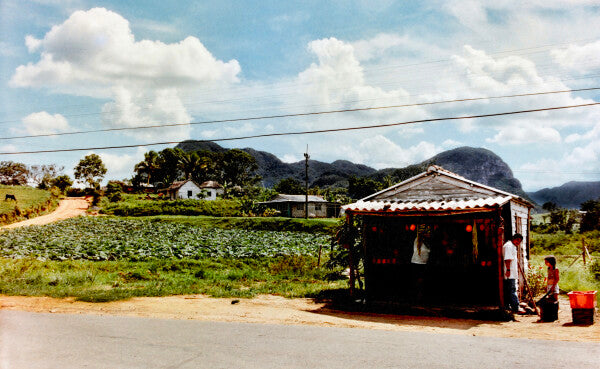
x=189, y=189
x=293, y=206
x=212, y=189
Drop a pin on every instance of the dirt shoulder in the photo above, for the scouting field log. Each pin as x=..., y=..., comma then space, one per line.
x=67, y=208
x=268, y=309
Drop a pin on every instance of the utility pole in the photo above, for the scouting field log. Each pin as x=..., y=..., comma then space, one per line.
x=306, y=157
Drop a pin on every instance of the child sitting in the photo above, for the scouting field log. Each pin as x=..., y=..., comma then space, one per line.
x=552, y=279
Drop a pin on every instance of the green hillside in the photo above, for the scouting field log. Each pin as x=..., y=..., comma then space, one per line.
x=29, y=203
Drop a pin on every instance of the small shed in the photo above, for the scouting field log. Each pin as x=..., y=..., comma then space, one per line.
x=212, y=189
x=293, y=206
x=466, y=224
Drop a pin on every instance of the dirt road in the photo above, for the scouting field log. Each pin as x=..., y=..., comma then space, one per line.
x=268, y=309
x=68, y=208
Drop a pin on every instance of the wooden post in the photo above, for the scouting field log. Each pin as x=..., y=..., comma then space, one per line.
x=499, y=244
x=583, y=249
x=350, y=256
x=319, y=258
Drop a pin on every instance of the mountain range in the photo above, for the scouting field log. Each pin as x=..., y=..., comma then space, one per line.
x=477, y=164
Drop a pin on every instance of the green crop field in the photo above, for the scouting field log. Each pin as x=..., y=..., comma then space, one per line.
x=112, y=238
x=108, y=258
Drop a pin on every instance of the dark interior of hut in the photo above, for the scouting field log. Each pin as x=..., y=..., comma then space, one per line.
x=458, y=264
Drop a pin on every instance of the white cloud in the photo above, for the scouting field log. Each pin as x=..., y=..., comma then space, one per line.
x=32, y=43
x=378, y=45
x=578, y=164
x=98, y=47
x=45, y=123
x=410, y=131
x=283, y=21
x=380, y=152
x=9, y=148
x=582, y=59
x=94, y=53
x=448, y=144
x=337, y=81
x=514, y=135
x=121, y=166
x=289, y=158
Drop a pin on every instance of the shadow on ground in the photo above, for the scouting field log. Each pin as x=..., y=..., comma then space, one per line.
x=338, y=303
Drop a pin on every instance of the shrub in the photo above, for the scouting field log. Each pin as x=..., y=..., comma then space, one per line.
x=595, y=269
x=225, y=208
x=536, y=279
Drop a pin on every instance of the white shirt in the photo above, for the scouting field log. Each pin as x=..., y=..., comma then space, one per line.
x=424, y=257
x=509, y=252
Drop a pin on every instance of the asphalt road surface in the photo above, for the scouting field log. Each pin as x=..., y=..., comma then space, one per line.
x=33, y=340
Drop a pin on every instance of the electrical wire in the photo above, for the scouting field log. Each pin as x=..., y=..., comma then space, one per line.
x=298, y=114
x=294, y=86
x=307, y=132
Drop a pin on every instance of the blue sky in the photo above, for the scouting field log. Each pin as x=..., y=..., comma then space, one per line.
x=83, y=65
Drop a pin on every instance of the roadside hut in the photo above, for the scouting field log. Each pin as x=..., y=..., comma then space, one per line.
x=293, y=206
x=465, y=224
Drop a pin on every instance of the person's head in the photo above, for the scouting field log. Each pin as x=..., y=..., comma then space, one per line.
x=517, y=238
x=550, y=261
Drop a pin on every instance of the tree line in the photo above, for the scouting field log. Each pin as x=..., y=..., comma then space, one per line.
x=231, y=168
x=562, y=219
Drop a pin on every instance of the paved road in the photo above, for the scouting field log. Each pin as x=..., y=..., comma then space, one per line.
x=33, y=340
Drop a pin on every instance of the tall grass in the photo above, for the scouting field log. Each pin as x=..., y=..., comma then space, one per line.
x=294, y=276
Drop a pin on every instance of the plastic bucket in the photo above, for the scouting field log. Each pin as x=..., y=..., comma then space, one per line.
x=582, y=299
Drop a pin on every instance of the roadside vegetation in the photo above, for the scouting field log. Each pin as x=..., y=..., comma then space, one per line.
x=563, y=233
x=30, y=202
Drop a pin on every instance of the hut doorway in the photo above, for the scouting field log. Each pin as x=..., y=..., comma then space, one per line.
x=459, y=260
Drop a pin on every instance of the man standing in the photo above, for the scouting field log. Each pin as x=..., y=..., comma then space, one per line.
x=511, y=276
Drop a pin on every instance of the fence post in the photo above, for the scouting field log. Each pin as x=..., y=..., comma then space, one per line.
x=583, y=250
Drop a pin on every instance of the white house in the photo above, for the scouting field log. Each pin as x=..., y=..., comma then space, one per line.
x=189, y=189
x=211, y=189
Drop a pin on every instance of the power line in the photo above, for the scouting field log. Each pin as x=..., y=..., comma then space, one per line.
x=307, y=132
x=298, y=114
x=366, y=70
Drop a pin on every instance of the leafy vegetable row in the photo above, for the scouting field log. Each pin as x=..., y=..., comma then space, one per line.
x=108, y=238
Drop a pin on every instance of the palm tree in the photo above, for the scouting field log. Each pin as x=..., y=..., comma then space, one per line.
x=189, y=162
x=149, y=165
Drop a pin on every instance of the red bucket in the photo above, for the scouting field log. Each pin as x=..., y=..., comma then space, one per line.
x=582, y=299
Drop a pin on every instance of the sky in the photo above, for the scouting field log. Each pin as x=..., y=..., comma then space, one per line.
x=76, y=65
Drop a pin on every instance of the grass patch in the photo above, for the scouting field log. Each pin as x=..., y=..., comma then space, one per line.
x=560, y=243
x=116, y=280
x=573, y=276
x=30, y=202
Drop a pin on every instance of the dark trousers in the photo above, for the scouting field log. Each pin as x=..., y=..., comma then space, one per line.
x=511, y=300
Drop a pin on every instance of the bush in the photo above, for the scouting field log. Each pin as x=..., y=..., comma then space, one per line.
x=224, y=208
x=536, y=279
x=595, y=269
x=75, y=192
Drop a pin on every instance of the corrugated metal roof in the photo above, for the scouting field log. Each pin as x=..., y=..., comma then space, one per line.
x=426, y=205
